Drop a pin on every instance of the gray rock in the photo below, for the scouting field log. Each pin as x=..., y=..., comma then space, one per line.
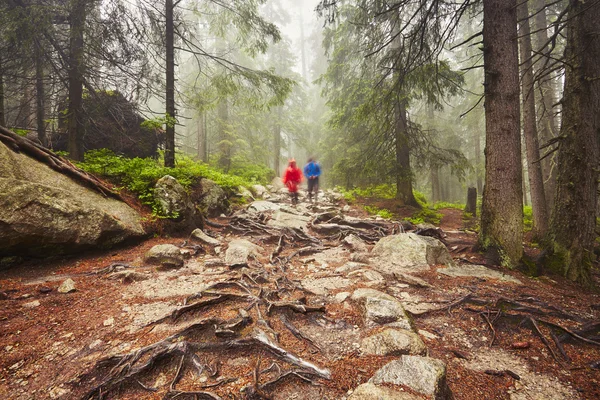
x=67, y=286
x=45, y=213
x=363, y=293
x=386, y=312
x=259, y=190
x=393, y=342
x=477, y=271
x=165, y=255
x=363, y=258
x=423, y=374
x=356, y=243
x=262, y=206
x=198, y=234
x=341, y=297
x=349, y=267
x=324, y=286
x=286, y=220
x=408, y=251
x=369, y=391
x=373, y=278
x=175, y=202
x=213, y=199
x=245, y=193
x=239, y=252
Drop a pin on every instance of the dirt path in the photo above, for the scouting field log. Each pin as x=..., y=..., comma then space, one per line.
x=290, y=322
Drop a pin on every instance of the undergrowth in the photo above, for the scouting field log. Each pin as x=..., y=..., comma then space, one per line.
x=382, y=212
x=139, y=175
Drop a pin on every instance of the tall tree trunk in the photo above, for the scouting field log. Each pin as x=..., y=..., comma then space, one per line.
x=2, y=115
x=201, y=139
x=75, y=105
x=435, y=184
x=572, y=229
x=170, y=85
x=40, y=93
x=277, y=143
x=534, y=169
x=403, y=172
x=502, y=207
x=225, y=142
x=478, y=170
x=76, y=65
x=548, y=96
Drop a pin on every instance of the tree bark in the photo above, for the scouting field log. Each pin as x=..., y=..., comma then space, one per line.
x=76, y=66
x=534, y=169
x=502, y=207
x=201, y=139
x=478, y=171
x=471, y=206
x=170, y=85
x=548, y=95
x=225, y=142
x=435, y=184
x=403, y=172
x=277, y=143
x=40, y=94
x=573, y=223
x=2, y=114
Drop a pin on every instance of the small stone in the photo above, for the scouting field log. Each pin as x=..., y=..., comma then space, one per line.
x=32, y=304
x=428, y=335
x=95, y=344
x=341, y=297
x=45, y=289
x=8, y=348
x=67, y=286
x=109, y=322
x=165, y=255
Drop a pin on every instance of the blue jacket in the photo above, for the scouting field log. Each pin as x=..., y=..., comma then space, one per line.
x=312, y=169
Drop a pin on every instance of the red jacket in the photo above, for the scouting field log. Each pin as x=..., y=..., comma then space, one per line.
x=292, y=177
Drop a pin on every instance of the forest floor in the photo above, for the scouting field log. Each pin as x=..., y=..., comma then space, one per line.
x=495, y=335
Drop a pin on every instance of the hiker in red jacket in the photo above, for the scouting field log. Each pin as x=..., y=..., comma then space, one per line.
x=292, y=178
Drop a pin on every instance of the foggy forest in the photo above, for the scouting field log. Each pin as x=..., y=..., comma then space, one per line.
x=299, y=199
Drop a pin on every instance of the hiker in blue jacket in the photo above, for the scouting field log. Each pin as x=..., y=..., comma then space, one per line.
x=312, y=170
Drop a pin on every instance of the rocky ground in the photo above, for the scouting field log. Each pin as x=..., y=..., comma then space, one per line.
x=307, y=302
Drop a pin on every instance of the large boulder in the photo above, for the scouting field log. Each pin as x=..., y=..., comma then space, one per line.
x=213, y=199
x=408, y=251
x=44, y=213
x=175, y=202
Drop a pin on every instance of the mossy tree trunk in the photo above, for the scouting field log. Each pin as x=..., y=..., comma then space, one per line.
x=2, y=115
x=403, y=173
x=573, y=223
x=534, y=170
x=502, y=207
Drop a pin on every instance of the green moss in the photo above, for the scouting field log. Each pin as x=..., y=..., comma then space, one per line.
x=382, y=212
x=139, y=175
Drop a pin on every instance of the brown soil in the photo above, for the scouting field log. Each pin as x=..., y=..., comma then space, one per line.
x=49, y=344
